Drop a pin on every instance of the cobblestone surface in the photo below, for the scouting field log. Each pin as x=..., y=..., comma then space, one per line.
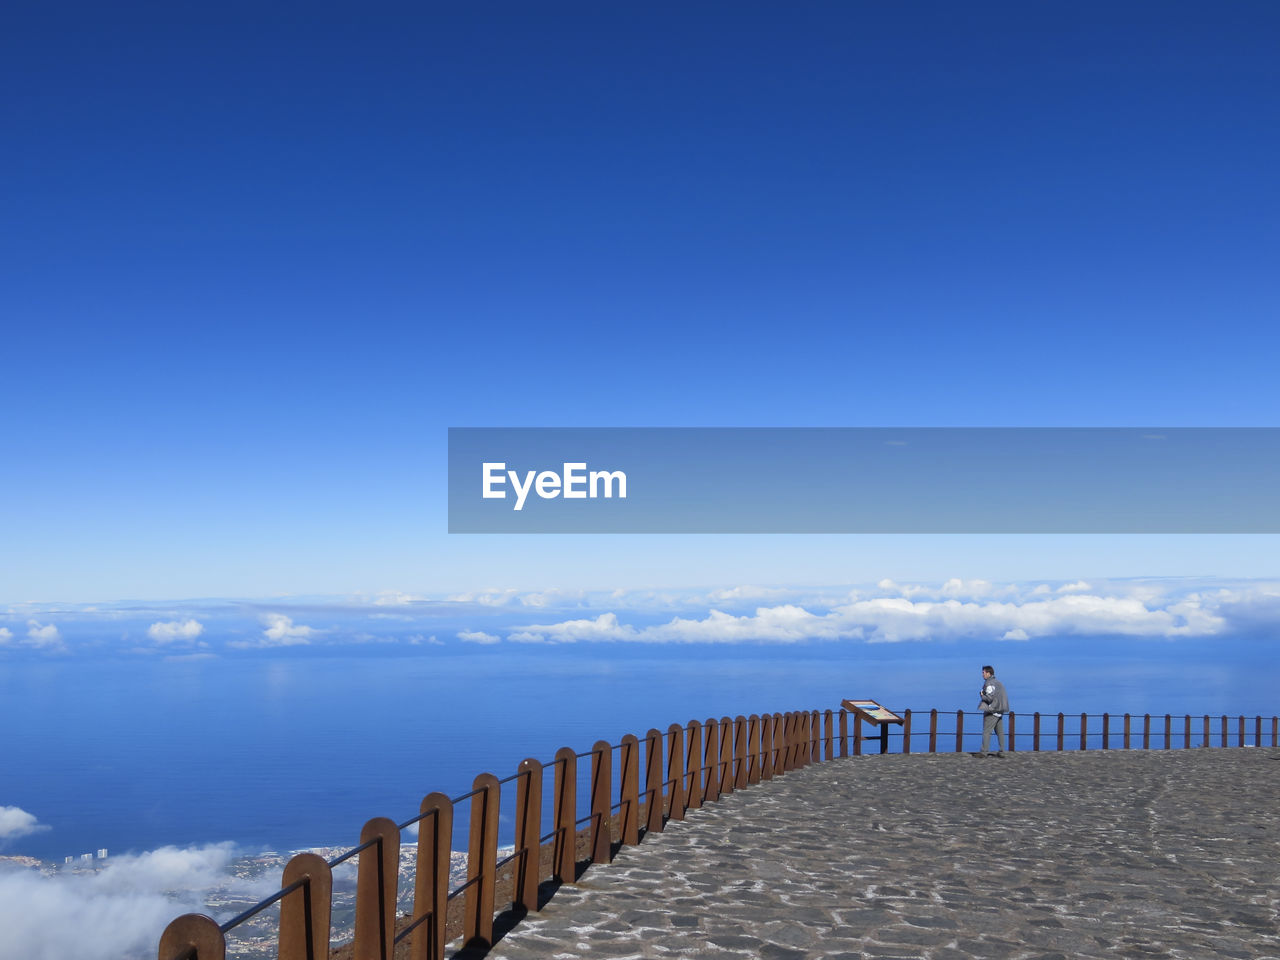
x=1032, y=857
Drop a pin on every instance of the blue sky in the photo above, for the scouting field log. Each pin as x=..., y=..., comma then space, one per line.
x=256, y=265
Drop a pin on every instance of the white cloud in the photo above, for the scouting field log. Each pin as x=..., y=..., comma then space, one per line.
x=282, y=631
x=417, y=639
x=168, y=631
x=5, y=635
x=477, y=636
x=43, y=636
x=16, y=822
x=1078, y=587
x=896, y=618
x=126, y=904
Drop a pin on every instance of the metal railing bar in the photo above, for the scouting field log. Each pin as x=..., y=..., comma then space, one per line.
x=413, y=926
x=257, y=908
x=412, y=820
x=454, y=893
x=343, y=857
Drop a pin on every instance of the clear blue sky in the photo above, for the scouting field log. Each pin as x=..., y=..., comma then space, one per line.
x=254, y=264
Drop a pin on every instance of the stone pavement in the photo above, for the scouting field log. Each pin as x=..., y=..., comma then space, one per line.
x=1098, y=854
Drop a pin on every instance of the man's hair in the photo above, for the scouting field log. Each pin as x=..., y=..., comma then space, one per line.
x=990, y=670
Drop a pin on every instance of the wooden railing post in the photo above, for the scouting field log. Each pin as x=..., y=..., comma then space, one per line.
x=601, y=802
x=741, y=752
x=1240, y=736
x=829, y=735
x=1035, y=731
x=1186, y=733
x=431, y=879
x=725, y=770
x=1106, y=731
x=1168, y=732
x=1275, y=731
x=675, y=772
x=1207, y=740
x=482, y=862
x=377, y=877
x=1146, y=731
x=193, y=935
x=815, y=737
x=767, y=723
x=693, y=767
x=1084, y=730
x=1012, y=717
x=1224, y=730
x=629, y=789
x=857, y=734
x=755, y=770
x=305, y=913
x=1127, y=722
x=564, y=859
x=1061, y=731
x=959, y=731
x=906, y=731
x=711, y=760
x=653, y=792
x=933, y=730
x=1257, y=732
x=528, y=834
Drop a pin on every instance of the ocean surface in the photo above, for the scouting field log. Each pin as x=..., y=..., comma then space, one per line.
x=283, y=750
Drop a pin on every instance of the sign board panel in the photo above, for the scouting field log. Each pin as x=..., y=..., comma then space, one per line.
x=871, y=711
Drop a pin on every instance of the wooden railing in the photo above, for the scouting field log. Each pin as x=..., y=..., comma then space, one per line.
x=683, y=769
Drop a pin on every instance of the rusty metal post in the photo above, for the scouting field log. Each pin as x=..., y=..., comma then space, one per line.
x=711, y=760
x=829, y=736
x=675, y=772
x=1127, y=722
x=844, y=732
x=725, y=770
x=528, y=831
x=431, y=881
x=1084, y=729
x=564, y=859
x=1035, y=732
x=305, y=913
x=1061, y=731
x=377, y=876
x=906, y=731
x=653, y=791
x=741, y=753
x=959, y=731
x=195, y=936
x=755, y=757
x=1106, y=731
x=693, y=767
x=601, y=802
x=1168, y=731
x=629, y=789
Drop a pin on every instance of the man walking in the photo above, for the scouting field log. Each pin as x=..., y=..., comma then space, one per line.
x=994, y=705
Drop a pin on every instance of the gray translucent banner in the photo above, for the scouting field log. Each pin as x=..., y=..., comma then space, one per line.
x=864, y=480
